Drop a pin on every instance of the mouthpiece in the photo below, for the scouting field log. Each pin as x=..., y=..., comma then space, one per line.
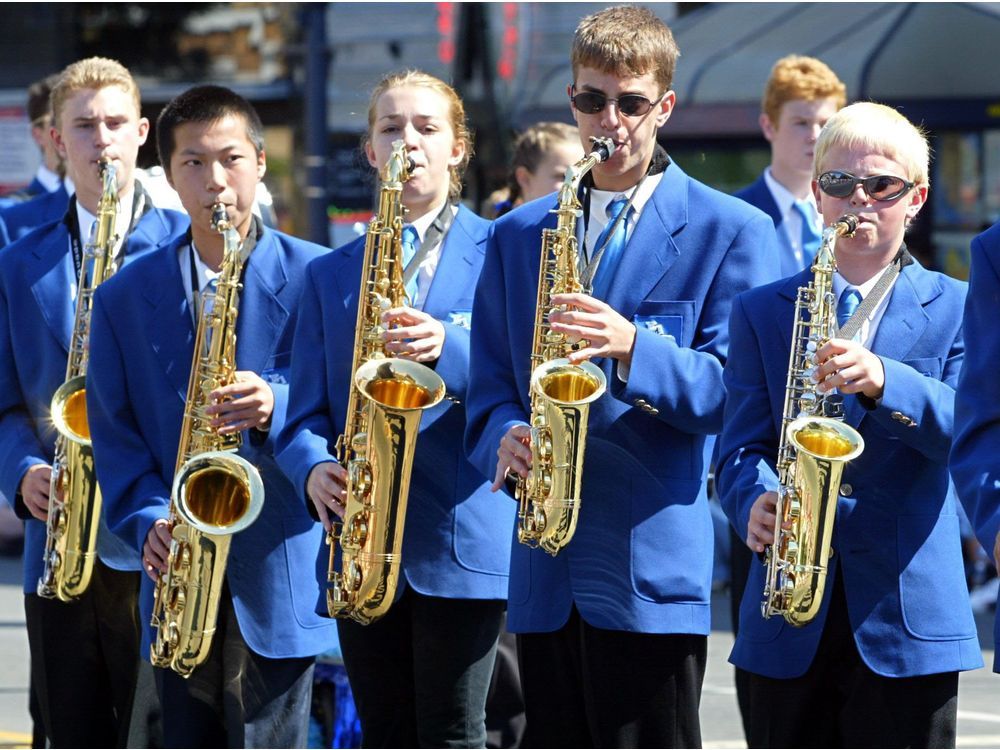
x=220, y=219
x=603, y=147
x=846, y=225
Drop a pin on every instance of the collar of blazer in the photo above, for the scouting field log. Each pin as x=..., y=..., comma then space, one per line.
x=465, y=239
x=651, y=250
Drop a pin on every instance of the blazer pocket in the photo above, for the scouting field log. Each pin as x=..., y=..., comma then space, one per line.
x=933, y=595
x=671, y=318
x=278, y=367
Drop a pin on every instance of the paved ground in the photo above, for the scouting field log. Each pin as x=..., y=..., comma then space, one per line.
x=978, y=716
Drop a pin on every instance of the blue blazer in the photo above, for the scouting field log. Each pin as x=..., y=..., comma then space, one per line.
x=29, y=191
x=641, y=559
x=759, y=194
x=974, y=464
x=896, y=534
x=36, y=321
x=20, y=218
x=455, y=545
x=141, y=350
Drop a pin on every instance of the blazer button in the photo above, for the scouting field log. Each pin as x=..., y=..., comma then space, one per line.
x=653, y=411
x=846, y=490
x=641, y=403
x=899, y=416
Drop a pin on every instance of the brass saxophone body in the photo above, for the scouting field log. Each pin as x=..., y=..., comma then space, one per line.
x=74, y=496
x=216, y=493
x=561, y=392
x=814, y=448
x=386, y=402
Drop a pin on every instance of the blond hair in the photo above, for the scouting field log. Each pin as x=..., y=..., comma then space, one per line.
x=797, y=77
x=626, y=41
x=92, y=73
x=456, y=112
x=878, y=129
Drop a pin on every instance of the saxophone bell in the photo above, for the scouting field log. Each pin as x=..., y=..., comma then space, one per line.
x=218, y=493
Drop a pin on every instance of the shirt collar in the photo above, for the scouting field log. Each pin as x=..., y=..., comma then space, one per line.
x=784, y=198
x=599, y=199
x=122, y=219
x=840, y=284
x=49, y=179
x=424, y=222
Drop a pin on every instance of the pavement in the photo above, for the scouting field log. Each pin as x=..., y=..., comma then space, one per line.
x=978, y=707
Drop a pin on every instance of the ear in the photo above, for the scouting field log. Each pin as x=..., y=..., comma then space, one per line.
x=261, y=164
x=457, y=153
x=56, y=137
x=523, y=178
x=665, y=108
x=767, y=127
x=818, y=195
x=143, y=130
x=370, y=153
x=918, y=196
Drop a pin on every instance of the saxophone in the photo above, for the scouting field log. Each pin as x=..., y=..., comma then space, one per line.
x=814, y=448
x=74, y=497
x=216, y=493
x=561, y=392
x=384, y=408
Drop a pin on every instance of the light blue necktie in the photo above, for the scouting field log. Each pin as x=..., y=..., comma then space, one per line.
x=810, y=237
x=850, y=298
x=614, y=249
x=410, y=241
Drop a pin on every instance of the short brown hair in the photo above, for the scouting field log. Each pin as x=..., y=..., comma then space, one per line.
x=626, y=40
x=534, y=144
x=797, y=77
x=457, y=119
x=93, y=73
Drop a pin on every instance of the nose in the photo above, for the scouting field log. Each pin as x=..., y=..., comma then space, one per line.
x=859, y=197
x=814, y=132
x=102, y=135
x=611, y=117
x=216, y=178
x=411, y=137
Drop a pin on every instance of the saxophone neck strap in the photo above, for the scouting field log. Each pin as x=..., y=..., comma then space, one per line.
x=140, y=205
x=432, y=239
x=874, y=298
x=246, y=247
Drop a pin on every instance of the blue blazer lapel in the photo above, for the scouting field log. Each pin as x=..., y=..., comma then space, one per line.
x=905, y=321
x=52, y=287
x=450, y=280
x=261, y=312
x=169, y=327
x=347, y=271
x=651, y=251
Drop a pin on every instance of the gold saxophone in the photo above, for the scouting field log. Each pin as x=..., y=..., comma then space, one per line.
x=814, y=448
x=385, y=404
x=215, y=494
x=561, y=392
x=74, y=497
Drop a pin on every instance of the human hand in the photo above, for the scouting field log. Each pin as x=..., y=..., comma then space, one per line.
x=413, y=334
x=850, y=368
x=513, y=455
x=326, y=488
x=245, y=403
x=35, y=486
x=763, y=514
x=156, y=550
x=603, y=331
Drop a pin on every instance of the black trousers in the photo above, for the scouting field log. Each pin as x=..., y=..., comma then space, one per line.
x=840, y=702
x=421, y=673
x=740, y=560
x=237, y=698
x=587, y=687
x=505, y=702
x=91, y=683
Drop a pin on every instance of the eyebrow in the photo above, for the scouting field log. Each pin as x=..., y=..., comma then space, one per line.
x=396, y=116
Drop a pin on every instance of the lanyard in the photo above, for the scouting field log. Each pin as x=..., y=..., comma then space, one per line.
x=435, y=235
x=246, y=247
x=140, y=205
x=874, y=298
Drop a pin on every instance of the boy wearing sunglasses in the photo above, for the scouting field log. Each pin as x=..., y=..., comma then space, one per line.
x=612, y=631
x=879, y=664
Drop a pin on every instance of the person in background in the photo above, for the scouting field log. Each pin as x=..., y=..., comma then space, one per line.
x=48, y=194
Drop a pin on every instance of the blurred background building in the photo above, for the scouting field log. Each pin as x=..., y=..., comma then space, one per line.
x=309, y=67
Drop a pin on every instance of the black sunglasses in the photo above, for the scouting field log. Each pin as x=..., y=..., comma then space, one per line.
x=630, y=105
x=880, y=187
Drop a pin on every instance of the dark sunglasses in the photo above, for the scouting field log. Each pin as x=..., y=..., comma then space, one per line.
x=630, y=105
x=880, y=187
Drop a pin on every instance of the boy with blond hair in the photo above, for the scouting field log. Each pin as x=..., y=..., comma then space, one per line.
x=802, y=93
x=85, y=654
x=612, y=631
x=878, y=665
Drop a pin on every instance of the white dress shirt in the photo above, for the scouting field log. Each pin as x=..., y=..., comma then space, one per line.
x=428, y=266
x=869, y=327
